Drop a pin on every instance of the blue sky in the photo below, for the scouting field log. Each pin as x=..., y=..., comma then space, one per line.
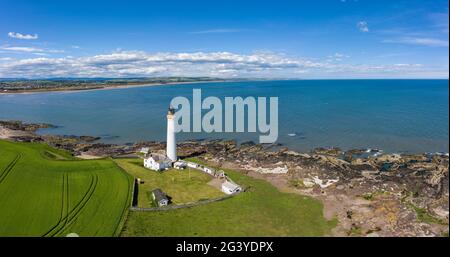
x=278, y=39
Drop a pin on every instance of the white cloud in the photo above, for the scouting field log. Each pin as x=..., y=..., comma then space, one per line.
x=408, y=65
x=337, y=57
x=214, y=64
x=40, y=54
x=22, y=36
x=27, y=49
x=362, y=26
x=22, y=49
x=419, y=41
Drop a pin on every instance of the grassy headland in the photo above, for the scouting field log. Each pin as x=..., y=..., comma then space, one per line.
x=46, y=192
x=181, y=185
x=260, y=211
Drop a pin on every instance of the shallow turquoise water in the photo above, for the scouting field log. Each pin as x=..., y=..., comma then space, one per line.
x=393, y=115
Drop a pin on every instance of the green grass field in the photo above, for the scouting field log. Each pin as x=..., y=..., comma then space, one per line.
x=261, y=211
x=183, y=186
x=46, y=192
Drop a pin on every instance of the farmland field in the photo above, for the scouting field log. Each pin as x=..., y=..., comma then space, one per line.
x=46, y=192
x=260, y=211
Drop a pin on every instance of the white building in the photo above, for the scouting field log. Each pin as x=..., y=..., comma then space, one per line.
x=229, y=187
x=160, y=197
x=210, y=171
x=157, y=162
x=145, y=150
x=181, y=165
x=171, y=150
x=220, y=174
x=192, y=165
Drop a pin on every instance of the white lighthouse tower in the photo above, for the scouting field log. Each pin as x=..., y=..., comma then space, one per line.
x=171, y=150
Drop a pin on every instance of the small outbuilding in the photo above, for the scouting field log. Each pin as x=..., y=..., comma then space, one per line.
x=180, y=165
x=229, y=187
x=193, y=165
x=145, y=150
x=160, y=197
x=210, y=171
x=220, y=174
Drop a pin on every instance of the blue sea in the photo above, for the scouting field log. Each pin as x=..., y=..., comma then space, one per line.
x=392, y=115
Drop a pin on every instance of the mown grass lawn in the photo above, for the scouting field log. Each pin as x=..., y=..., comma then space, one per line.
x=261, y=211
x=183, y=186
x=46, y=192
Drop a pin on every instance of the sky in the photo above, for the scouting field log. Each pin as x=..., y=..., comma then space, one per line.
x=341, y=39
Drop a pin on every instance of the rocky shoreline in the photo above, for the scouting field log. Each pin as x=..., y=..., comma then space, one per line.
x=370, y=193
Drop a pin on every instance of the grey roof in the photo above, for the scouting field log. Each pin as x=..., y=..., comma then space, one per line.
x=160, y=158
x=159, y=195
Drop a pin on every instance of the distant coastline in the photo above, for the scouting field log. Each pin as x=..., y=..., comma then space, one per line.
x=19, y=86
x=28, y=86
x=104, y=87
x=66, y=85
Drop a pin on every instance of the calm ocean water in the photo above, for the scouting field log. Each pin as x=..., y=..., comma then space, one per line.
x=393, y=115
